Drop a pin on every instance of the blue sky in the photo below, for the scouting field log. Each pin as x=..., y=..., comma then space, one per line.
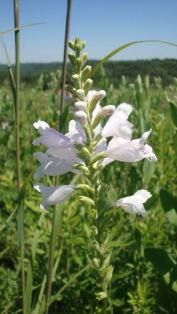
x=104, y=24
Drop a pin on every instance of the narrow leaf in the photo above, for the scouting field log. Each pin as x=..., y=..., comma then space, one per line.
x=121, y=48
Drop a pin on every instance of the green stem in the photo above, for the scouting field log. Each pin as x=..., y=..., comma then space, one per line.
x=17, y=91
x=17, y=139
x=67, y=30
x=51, y=260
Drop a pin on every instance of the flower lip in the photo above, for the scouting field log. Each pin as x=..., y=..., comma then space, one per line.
x=53, y=194
x=134, y=204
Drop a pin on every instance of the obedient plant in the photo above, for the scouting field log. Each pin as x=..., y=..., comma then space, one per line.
x=92, y=142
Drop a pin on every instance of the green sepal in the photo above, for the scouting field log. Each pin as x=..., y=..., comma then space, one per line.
x=82, y=168
x=85, y=187
x=87, y=200
x=99, y=156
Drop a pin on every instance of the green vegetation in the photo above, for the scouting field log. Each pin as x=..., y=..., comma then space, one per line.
x=144, y=250
x=166, y=69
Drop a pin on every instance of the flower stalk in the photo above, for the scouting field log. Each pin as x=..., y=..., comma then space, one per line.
x=101, y=254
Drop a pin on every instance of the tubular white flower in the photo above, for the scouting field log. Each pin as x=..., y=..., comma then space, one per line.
x=130, y=151
x=52, y=166
x=134, y=204
x=76, y=132
x=53, y=194
x=49, y=136
x=117, y=120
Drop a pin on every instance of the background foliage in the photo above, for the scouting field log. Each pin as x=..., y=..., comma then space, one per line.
x=144, y=251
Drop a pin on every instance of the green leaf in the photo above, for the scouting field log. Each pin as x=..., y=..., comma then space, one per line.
x=160, y=259
x=121, y=48
x=172, y=217
x=173, y=108
x=167, y=200
x=29, y=288
x=40, y=304
x=17, y=29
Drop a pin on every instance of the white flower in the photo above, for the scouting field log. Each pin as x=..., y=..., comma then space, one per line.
x=52, y=166
x=128, y=150
x=50, y=137
x=115, y=126
x=134, y=204
x=53, y=194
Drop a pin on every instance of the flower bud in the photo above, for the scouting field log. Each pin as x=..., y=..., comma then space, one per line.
x=84, y=58
x=101, y=296
x=76, y=78
x=107, y=110
x=86, y=72
x=96, y=262
x=87, y=200
x=87, y=85
x=99, y=156
x=80, y=105
x=82, y=168
x=96, y=98
x=71, y=45
x=93, y=213
x=80, y=94
x=85, y=188
x=72, y=57
x=108, y=275
x=84, y=154
x=81, y=117
x=95, y=230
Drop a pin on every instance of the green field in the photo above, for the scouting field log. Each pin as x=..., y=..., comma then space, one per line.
x=143, y=250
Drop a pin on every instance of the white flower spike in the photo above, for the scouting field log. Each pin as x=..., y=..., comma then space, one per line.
x=53, y=194
x=134, y=204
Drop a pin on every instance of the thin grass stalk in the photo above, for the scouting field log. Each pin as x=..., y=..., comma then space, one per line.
x=17, y=79
x=67, y=31
x=17, y=137
x=51, y=259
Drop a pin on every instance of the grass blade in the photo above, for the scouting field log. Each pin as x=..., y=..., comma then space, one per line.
x=11, y=74
x=67, y=30
x=121, y=48
x=11, y=30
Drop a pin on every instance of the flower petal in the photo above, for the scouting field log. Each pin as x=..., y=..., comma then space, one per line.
x=53, y=194
x=134, y=203
x=50, y=137
x=130, y=151
x=52, y=166
x=118, y=118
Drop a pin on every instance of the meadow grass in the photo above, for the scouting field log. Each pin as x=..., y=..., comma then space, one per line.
x=144, y=251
